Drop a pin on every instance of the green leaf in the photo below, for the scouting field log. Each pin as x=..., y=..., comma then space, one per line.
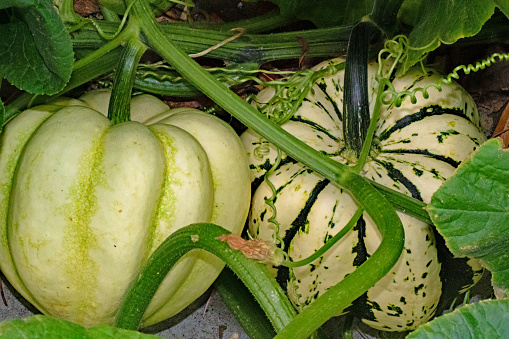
x=35, y=49
x=409, y=12
x=471, y=211
x=446, y=22
x=326, y=13
x=15, y=3
x=484, y=319
x=41, y=326
x=503, y=5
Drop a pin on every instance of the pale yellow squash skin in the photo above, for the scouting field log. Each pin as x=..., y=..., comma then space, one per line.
x=85, y=202
x=408, y=295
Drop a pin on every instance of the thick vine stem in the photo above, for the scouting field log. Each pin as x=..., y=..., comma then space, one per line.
x=258, y=48
x=380, y=210
x=254, y=275
x=243, y=306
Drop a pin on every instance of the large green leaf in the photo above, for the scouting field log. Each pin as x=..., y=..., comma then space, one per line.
x=446, y=22
x=41, y=327
x=325, y=13
x=35, y=49
x=484, y=319
x=471, y=211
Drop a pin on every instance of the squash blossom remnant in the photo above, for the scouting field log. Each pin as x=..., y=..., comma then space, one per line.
x=258, y=249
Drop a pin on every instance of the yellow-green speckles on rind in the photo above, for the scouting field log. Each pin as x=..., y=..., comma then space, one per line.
x=166, y=206
x=187, y=197
x=14, y=137
x=78, y=238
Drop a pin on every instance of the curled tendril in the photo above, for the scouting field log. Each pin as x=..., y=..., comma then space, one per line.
x=495, y=57
x=290, y=93
x=269, y=201
x=396, y=52
x=262, y=150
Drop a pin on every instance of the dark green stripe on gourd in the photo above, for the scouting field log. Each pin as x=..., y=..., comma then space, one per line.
x=398, y=177
x=423, y=113
x=299, y=224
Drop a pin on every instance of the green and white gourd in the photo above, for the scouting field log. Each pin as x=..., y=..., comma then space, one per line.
x=416, y=147
x=86, y=202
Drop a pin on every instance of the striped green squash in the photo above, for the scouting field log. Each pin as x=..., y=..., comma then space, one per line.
x=416, y=147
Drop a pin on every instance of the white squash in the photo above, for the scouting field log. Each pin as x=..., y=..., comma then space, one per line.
x=84, y=202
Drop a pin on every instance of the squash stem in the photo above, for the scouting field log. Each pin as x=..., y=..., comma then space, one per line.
x=385, y=15
x=119, y=109
x=355, y=97
x=104, y=49
x=243, y=305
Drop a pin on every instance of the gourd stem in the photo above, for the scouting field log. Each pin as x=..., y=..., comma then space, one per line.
x=260, y=23
x=355, y=96
x=254, y=275
x=104, y=49
x=119, y=109
x=243, y=305
x=232, y=103
x=380, y=210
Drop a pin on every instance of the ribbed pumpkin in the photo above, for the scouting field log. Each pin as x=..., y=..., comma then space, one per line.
x=416, y=147
x=85, y=202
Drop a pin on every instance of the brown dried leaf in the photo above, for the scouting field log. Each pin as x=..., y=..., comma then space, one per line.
x=502, y=129
x=86, y=7
x=254, y=249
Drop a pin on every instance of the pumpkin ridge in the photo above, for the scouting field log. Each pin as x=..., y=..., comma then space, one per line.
x=323, y=88
x=397, y=176
x=166, y=198
x=423, y=113
x=299, y=225
x=426, y=153
x=315, y=126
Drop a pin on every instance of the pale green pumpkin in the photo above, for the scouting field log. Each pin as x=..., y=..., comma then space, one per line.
x=84, y=202
x=416, y=147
